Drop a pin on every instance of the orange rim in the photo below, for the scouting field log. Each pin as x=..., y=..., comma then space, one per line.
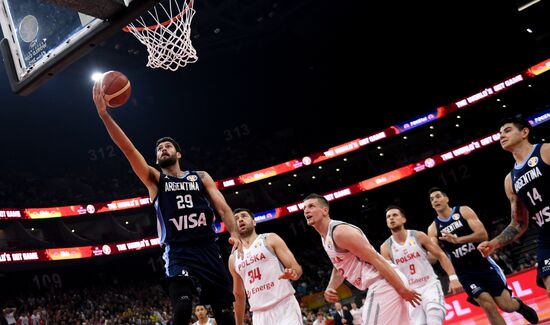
x=128, y=28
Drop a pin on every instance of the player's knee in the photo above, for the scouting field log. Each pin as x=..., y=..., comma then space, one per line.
x=182, y=309
x=180, y=290
x=183, y=305
x=435, y=315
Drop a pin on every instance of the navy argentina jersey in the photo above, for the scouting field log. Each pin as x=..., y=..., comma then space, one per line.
x=185, y=224
x=533, y=189
x=463, y=256
x=184, y=213
x=476, y=273
x=530, y=185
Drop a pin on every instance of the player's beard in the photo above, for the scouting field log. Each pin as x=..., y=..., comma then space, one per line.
x=167, y=162
x=246, y=232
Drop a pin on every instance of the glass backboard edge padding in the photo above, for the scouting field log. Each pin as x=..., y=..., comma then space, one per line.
x=5, y=21
x=10, y=68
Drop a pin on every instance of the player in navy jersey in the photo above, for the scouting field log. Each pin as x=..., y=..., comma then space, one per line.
x=458, y=230
x=528, y=189
x=186, y=203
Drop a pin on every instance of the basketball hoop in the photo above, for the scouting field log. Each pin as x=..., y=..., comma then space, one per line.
x=168, y=41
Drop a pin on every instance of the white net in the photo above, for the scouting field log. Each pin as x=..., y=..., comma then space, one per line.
x=168, y=41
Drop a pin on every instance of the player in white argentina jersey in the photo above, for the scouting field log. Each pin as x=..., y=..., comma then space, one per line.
x=408, y=250
x=263, y=270
x=355, y=260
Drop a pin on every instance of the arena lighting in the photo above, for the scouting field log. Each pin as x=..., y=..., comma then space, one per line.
x=96, y=76
x=390, y=131
x=377, y=181
x=527, y=5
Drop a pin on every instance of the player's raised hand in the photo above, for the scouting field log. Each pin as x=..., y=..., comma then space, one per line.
x=289, y=274
x=235, y=240
x=411, y=296
x=486, y=248
x=331, y=295
x=99, y=97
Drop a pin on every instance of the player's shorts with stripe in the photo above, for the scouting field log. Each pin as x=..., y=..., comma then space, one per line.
x=490, y=280
x=543, y=262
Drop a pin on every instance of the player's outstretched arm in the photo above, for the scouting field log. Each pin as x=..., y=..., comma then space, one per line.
x=517, y=226
x=238, y=291
x=223, y=209
x=479, y=233
x=293, y=270
x=437, y=252
x=148, y=175
x=349, y=238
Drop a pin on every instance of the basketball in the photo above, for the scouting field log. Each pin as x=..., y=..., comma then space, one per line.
x=117, y=88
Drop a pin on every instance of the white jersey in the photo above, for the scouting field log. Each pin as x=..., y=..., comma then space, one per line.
x=210, y=321
x=412, y=260
x=259, y=268
x=359, y=273
x=10, y=318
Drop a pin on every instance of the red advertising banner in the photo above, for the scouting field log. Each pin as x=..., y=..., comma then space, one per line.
x=75, y=210
x=71, y=253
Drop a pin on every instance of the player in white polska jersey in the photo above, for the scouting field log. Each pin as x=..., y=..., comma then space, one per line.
x=355, y=260
x=408, y=250
x=264, y=270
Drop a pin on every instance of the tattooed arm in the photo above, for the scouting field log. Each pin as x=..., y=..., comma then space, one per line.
x=516, y=228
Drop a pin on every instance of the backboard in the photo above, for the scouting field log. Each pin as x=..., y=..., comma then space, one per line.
x=42, y=37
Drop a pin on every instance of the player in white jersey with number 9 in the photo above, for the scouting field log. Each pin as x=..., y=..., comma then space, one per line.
x=408, y=250
x=263, y=271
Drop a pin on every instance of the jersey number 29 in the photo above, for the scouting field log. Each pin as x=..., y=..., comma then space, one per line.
x=184, y=201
